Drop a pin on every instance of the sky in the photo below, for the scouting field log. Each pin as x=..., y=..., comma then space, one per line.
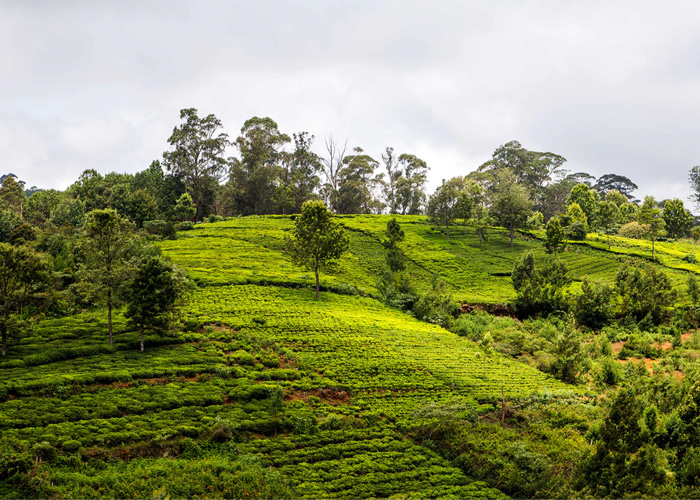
x=612, y=86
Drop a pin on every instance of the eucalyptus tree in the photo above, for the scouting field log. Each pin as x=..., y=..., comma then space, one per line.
x=198, y=156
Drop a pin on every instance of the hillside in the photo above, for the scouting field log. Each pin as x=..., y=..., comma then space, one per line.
x=299, y=397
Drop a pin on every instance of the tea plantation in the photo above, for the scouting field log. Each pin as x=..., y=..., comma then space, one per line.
x=267, y=392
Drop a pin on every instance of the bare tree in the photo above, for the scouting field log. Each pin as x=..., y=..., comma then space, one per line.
x=332, y=164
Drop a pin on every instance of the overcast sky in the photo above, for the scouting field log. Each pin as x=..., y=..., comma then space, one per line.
x=612, y=86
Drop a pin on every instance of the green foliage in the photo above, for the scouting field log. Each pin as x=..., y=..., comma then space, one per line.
x=593, y=307
x=151, y=293
x=643, y=290
x=554, y=237
x=444, y=204
x=185, y=208
x=539, y=290
x=395, y=257
x=586, y=200
x=677, y=219
x=693, y=289
x=108, y=239
x=624, y=462
x=22, y=274
x=197, y=156
x=316, y=241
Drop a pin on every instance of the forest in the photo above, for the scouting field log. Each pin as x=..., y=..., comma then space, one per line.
x=286, y=324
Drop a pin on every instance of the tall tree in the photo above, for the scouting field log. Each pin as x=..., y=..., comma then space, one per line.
x=532, y=169
x=608, y=214
x=587, y=199
x=357, y=183
x=332, y=165
x=410, y=185
x=650, y=214
x=395, y=257
x=443, y=205
x=677, y=218
x=610, y=182
x=404, y=188
x=108, y=237
x=12, y=195
x=300, y=169
x=21, y=270
x=257, y=174
x=510, y=203
x=316, y=241
x=198, y=155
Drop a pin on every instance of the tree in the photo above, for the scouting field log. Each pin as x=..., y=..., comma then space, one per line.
x=332, y=165
x=643, y=290
x=12, y=194
x=356, y=184
x=677, y=218
x=151, y=293
x=539, y=290
x=22, y=270
x=613, y=182
x=510, y=205
x=695, y=184
x=693, y=289
x=41, y=205
x=534, y=170
x=198, y=155
x=650, y=214
x=587, y=200
x=554, y=237
x=608, y=214
x=395, y=257
x=316, y=241
x=443, y=205
x=625, y=462
x=404, y=189
x=299, y=177
x=184, y=208
x=487, y=350
x=593, y=306
x=108, y=237
x=257, y=174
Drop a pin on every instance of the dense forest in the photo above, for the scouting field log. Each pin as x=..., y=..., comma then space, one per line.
x=521, y=331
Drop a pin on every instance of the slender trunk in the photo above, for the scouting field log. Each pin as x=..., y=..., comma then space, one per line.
x=141, y=338
x=503, y=407
x=653, y=238
x=173, y=321
x=447, y=225
x=480, y=231
x=512, y=234
x=4, y=338
x=109, y=316
x=318, y=288
x=608, y=242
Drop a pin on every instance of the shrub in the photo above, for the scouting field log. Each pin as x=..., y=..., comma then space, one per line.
x=215, y=218
x=160, y=227
x=184, y=226
x=634, y=230
x=576, y=231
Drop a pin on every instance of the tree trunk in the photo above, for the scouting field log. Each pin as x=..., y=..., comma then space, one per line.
x=608, y=242
x=318, y=287
x=652, y=246
x=4, y=338
x=512, y=234
x=109, y=316
x=141, y=338
x=447, y=225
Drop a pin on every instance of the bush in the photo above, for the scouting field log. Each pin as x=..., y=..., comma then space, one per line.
x=215, y=218
x=691, y=258
x=184, y=226
x=160, y=227
x=576, y=231
x=634, y=230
